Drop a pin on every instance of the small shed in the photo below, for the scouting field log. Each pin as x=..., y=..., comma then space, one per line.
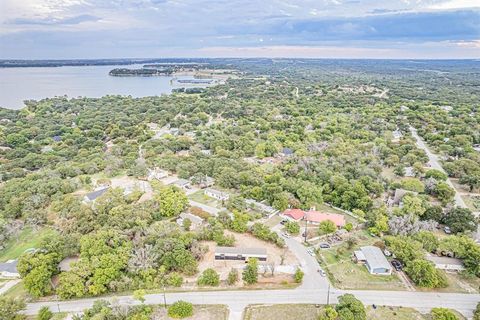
x=92, y=196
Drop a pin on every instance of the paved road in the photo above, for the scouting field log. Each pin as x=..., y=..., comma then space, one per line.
x=435, y=164
x=237, y=300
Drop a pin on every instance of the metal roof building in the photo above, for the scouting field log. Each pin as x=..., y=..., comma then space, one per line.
x=232, y=253
x=374, y=259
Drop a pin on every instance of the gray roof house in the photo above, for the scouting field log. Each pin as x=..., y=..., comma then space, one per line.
x=242, y=254
x=92, y=196
x=9, y=269
x=196, y=220
x=216, y=194
x=374, y=260
x=182, y=183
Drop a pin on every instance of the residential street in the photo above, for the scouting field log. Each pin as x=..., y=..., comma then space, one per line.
x=237, y=300
x=435, y=164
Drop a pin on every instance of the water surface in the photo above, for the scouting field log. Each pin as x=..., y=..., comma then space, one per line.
x=19, y=84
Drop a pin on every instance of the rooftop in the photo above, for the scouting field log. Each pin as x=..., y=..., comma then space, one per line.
x=444, y=260
x=375, y=257
x=295, y=214
x=95, y=194
x=315, y=216
x=240, y=250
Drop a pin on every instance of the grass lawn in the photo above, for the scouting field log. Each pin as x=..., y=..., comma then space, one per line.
x=200, y=196
x=200, y=312
x=345, y=274
x=273, y=221
x=458, y=283
x=282, y=311
x=17, y=291
x=394, y=313
x=324, y=208
x=472, y=202
x=28, y=238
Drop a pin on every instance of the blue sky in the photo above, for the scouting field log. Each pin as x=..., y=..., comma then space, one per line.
x=56, y=29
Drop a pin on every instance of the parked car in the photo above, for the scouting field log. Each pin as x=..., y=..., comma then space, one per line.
x=322, y=273
x=447, y=230
x=283, y=222
x=286, y=235
x=397, y=265
x=311, y=252
x=387, y=253
x=324, y=246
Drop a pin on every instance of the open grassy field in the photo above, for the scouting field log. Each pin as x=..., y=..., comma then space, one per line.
x=28, y=238
x=311, y=312
x=200, y=196
x=200, y=312
x=346, y=274
x=17, y=291
x=282, y=311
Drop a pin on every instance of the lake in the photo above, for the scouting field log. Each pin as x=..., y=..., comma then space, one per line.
x=19, y=84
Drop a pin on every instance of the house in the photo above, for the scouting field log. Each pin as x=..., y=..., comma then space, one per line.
x=92, y=196
x=156, y=173
x=182, y=184
x=446, y=263
x=216, y=194
x=316, y=217
x=409, y=172
x=205, y=181
x=294, y=214
x=398, y=196
x=9, y=269
x=263, y=208
x=241, y=254
x=374, y=260
x=196, y=220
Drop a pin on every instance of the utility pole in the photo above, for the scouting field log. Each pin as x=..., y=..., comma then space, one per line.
x=306, y=223
x=164, y=297
x=328, y=294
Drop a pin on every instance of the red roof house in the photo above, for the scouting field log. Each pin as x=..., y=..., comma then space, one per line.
x=317, y=217
x=294, y=214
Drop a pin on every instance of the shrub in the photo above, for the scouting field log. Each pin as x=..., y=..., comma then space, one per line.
x=443, y=314
x=44, y=314
x=292, y=227
x=298, y=276
x=476, y=313
x=174, y=280
x=327, y=227
x=232, y=277
x=180, y=309
x=209, y=277
x=250, y=274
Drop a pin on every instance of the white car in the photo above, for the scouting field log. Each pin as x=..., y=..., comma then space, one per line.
x=322, y=273
x=286, y=235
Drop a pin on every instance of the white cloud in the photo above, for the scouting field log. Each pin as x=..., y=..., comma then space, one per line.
x=456, y=4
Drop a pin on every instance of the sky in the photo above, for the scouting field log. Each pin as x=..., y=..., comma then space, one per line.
x=391, y=29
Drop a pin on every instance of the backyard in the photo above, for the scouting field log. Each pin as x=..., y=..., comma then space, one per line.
x=200, y=196
x=345, y=274
x=26, y=239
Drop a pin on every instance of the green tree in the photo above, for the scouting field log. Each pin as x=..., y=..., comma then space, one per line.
x=327, y=227
x=250, y=274
x=328, y=313
x=171, y=201
x=298, y=276
x=209, y=277
x=460, y=220
x=45, y=314
x=424, y=274
x=436, y=174
x=443, y=314
x=471, y=180
x=444, y=193
x=350, y=308
x=187, y=223
x=428, y=240
x=292, y=227
x=180, y=309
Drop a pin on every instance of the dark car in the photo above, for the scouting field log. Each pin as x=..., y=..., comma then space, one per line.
x=283, y=222
x=324, y=245
x=397, y=265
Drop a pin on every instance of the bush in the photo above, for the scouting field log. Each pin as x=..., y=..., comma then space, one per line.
x=44, y=314
x=476, y=313
x=209, y=277
x=232, y=277
x=327, y=227
x=250, y=274
x=174, y=280
x=180, y=309
x=350, y=308
x=424, y=274
x=349, y=227
x=298, y=276
x=443, y=314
